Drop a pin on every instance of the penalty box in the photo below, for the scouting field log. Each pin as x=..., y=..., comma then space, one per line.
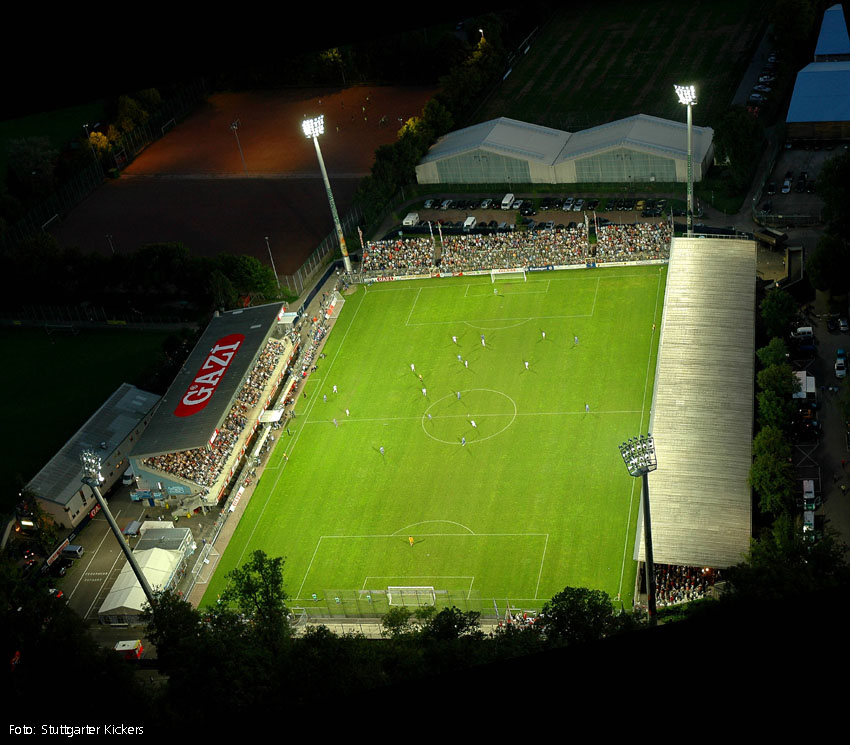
x=457, y=563
x=472, y=302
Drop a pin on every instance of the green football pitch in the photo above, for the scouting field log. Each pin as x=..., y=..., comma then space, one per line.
x=506, y=476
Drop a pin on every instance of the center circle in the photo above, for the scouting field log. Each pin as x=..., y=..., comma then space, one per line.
x=450, y=418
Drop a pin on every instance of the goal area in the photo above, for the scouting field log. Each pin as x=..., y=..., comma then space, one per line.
x=415, y=596
x=498, y=275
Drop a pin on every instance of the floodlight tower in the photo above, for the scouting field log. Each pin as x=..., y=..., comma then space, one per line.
x=92, y=478
x=688, y=97
x=639, y=456
x=312, y=129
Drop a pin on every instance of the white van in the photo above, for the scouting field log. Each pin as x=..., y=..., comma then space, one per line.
x=469, y=223
x=73, y=552
x=803, y=332
x=411, y=219
x=507, y=201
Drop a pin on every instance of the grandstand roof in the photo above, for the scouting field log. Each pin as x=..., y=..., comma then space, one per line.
x=833, y=39
x=550, y=146
x=821, y=93
x=201, y=395
x=117, y=417
x=702, y=411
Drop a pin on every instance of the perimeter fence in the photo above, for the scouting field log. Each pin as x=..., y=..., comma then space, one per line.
x=55, y=207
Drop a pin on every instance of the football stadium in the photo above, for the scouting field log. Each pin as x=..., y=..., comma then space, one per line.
x=454, y=438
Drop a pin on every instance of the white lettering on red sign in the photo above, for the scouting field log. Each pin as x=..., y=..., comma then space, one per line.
x=209, y=375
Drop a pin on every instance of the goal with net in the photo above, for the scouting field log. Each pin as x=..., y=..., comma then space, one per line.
x=335, y=305
x=498, y=275
x=411, y=595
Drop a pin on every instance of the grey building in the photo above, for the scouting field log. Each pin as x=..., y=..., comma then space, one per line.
x=638, y=149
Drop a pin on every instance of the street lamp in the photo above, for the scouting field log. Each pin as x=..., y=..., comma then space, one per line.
x=639, y=456
x=272, y=261
x=234, y=127
x=688, y=97
x=312, y=129
x=92, y=478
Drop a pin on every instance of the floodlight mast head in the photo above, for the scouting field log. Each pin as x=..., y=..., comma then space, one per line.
x=91, y=466
x=313, y=127
x=639, y=455
x=687, y=94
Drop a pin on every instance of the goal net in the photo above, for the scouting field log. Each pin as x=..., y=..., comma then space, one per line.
x=411, y=596
x=498, y=275
x=335, y=305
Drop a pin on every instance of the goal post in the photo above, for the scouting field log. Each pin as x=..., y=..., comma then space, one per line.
x=335, y=305
x=508, y=274
x=413, y=596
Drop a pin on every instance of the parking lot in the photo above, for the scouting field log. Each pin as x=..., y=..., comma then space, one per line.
x=796, y=161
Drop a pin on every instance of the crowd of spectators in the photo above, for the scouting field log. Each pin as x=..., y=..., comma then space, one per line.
x=204, y=465
x=681, y=584
x=635, y=242
x=413, y=255
x=515, y=249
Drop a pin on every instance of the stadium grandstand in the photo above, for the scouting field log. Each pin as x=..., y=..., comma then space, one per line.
x=207, y=418
x=702, y=414
x=640, y=148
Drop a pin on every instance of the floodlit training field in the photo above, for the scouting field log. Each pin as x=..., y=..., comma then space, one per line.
x=507, y=477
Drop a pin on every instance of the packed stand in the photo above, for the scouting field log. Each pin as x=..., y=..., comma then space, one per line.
x=508, y=250
x=399, y=257
x=204, y=465
x=680, y=584
x=640, y=241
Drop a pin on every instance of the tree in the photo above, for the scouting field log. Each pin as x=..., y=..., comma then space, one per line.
x=452, y=623
x=778, y=310
x=577, y=615
x=256, y=590
x=828, y=266
x=397, y=622
x=774, y=482
x=778, y=379
x=738, y=140
x=31, y=162
x=774, y=353
x=774, y=411
x=834, y=189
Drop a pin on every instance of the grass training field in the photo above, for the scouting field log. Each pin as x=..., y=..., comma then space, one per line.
x=536, y=499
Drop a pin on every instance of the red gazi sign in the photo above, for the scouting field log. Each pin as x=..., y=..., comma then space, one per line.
x=201, y=389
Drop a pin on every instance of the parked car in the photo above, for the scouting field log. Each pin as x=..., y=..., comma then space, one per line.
x=59, y=567
x=786, y=186
x=568, y=204
x=840, y=364
x=771, y=188
x=843, y=325
x=757, y=98
x=578, y=206
x=761, y=88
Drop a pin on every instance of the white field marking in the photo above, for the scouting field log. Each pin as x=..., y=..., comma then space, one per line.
x=566, y=276
x=575, y=412
x=477, y=439
x=540, y=573
x=413, y=306
x=596, y=292
x=642, y=414
x=406, y=530
x=422, y=535
x=373, y=577
x=521, y=319
x=297, y=437
x=511, y=292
